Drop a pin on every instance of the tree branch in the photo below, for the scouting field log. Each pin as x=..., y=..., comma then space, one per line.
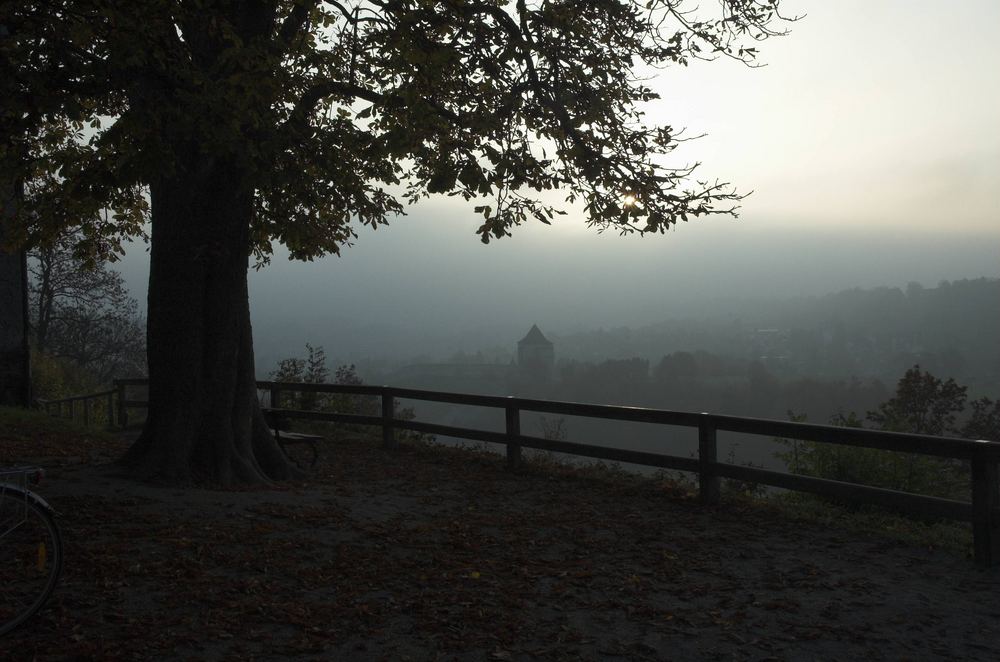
x=297, y=19
x=319, y=91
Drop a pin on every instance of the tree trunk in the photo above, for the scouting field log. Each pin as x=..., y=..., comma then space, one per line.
x=15, y=372
x=43, y=308
x=205, y=425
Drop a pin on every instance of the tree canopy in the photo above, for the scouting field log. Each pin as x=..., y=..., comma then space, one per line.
x=339, y=113
x=923, y=404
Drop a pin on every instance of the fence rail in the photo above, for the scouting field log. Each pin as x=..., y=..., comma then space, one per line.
x=87, y=405
x=983, y=509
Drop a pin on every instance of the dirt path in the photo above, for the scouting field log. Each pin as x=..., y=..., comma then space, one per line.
x=433, y=554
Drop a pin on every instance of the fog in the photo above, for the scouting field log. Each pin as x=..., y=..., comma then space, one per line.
x=426, y=286
x=868, y=142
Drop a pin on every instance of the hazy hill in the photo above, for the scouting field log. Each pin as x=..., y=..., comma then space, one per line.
x=950, y=329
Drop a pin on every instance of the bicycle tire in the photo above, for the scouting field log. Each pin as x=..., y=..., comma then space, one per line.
x=31, y=557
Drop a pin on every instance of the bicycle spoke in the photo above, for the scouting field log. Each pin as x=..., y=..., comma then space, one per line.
x=30, y=557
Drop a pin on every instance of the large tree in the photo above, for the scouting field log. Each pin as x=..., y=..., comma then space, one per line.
x=249, y=122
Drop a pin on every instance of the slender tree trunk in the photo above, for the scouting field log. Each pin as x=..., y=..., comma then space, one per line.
x=44, y=305
x=205, y=425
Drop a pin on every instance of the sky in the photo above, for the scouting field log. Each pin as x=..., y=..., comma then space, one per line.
x=870, y=113
x=870, y=144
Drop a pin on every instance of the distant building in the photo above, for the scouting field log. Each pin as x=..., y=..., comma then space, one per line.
x=770, y=346
x=536, y=355
x=472, y=377
x=535, y=366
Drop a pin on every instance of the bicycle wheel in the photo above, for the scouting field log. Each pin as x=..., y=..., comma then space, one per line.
x=30, y=557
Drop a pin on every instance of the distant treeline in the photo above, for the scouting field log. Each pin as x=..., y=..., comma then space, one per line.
x=701, y=381
x=864, y=334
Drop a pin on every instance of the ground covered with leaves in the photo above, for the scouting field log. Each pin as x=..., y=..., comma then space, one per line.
x=427, y=553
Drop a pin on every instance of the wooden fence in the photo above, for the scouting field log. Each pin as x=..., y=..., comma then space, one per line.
x=982, y=510
x=93, y=407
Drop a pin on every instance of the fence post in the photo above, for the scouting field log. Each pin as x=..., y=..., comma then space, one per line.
x=122, y=410
x=388, y=407
x=111, y=410
x=275, y=397
x=72, y=410
x=709, y=485
x=86, y=413
x=985, y=499
x=513, y=425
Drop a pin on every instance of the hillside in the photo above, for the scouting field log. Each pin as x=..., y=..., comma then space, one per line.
x=875, y=333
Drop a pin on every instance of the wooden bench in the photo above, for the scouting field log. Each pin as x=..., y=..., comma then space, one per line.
x=279, y=428
x=285, y=438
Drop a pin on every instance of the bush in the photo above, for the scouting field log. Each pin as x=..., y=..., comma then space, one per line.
x=312, y=370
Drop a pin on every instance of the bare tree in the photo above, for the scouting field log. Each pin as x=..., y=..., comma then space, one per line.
x=84, y=313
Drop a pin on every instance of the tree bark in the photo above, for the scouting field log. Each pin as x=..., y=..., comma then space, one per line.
x=205, y=424
x=15, y=366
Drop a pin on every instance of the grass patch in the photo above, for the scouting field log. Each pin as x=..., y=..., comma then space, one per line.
x=27, y=435
x=942, y=534
x=949, y=535
x=955, y=537
x=30, y=435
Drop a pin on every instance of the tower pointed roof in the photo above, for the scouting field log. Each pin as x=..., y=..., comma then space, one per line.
x=534, y=337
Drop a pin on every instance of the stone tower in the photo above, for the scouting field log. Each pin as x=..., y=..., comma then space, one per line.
x=536, y=355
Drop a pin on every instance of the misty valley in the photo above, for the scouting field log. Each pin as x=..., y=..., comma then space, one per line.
x=825, y=359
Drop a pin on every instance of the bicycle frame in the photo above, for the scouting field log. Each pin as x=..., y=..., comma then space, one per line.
x=26, y=494
x=15, y=481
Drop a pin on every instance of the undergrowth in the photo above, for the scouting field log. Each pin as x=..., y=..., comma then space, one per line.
x=27, y=435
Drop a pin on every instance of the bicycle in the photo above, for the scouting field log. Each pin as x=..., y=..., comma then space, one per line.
x=30, y=547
